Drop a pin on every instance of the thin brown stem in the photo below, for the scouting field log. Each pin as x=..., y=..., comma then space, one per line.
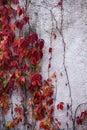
x=64, y=60
x=74, y=120
x=12, y=109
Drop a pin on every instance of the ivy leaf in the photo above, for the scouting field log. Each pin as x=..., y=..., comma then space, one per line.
x=18, y=109
x=59, y=3
x=19, y=10
x=49, y=66
x=59, y=123
x=50, y=49
x=79, y=121
x=60, y=106
x=54, y=36
x=32, y=37
x=53, y=75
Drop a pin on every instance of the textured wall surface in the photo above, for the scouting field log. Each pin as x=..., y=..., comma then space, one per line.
x=69, y=55
x=64, y=29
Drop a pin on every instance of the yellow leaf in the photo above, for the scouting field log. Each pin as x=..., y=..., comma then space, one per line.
x=38, y=68
x=8, y=124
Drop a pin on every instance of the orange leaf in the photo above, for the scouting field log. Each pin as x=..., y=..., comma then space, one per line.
x=53, y=75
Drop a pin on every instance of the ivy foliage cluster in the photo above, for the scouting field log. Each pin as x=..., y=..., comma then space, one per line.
x=20, y=70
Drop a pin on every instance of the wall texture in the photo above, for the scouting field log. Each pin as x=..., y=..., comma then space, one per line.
x=64, y=29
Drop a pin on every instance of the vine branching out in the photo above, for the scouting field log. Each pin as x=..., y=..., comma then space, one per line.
x=20, y=57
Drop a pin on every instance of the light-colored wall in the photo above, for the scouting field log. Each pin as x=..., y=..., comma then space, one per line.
x=69, y=55
x=72, y=61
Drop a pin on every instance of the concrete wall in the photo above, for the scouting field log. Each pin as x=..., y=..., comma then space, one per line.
x=64, y=29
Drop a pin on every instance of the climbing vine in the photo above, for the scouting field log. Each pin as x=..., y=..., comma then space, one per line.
x=20, y=70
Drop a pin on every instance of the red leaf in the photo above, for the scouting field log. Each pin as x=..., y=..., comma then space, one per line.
x=49, y=80
x=33, y=60
x=79, y=121
x=54, y=35
x=49, y=66
x=40, y=43
x=19, y=24
x=50, y=112
x=60, y=106
x=59, y=3
x=32, y=37
x=50, y=49
x=25, y=19
x=18, y=109
x=59, y=123
x=19, y=10
x=50, y=102
x=56, y=119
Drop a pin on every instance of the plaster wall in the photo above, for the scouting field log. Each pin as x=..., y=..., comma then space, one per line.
x=69, y=50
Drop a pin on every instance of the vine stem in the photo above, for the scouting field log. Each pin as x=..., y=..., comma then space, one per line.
x=64, y=50
x=3, y=121
x=51, y=41
x=12, y=108
x=64, y=64
x=74, y=122
x=33, y=124
x=60, y=31
x=24, y=106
